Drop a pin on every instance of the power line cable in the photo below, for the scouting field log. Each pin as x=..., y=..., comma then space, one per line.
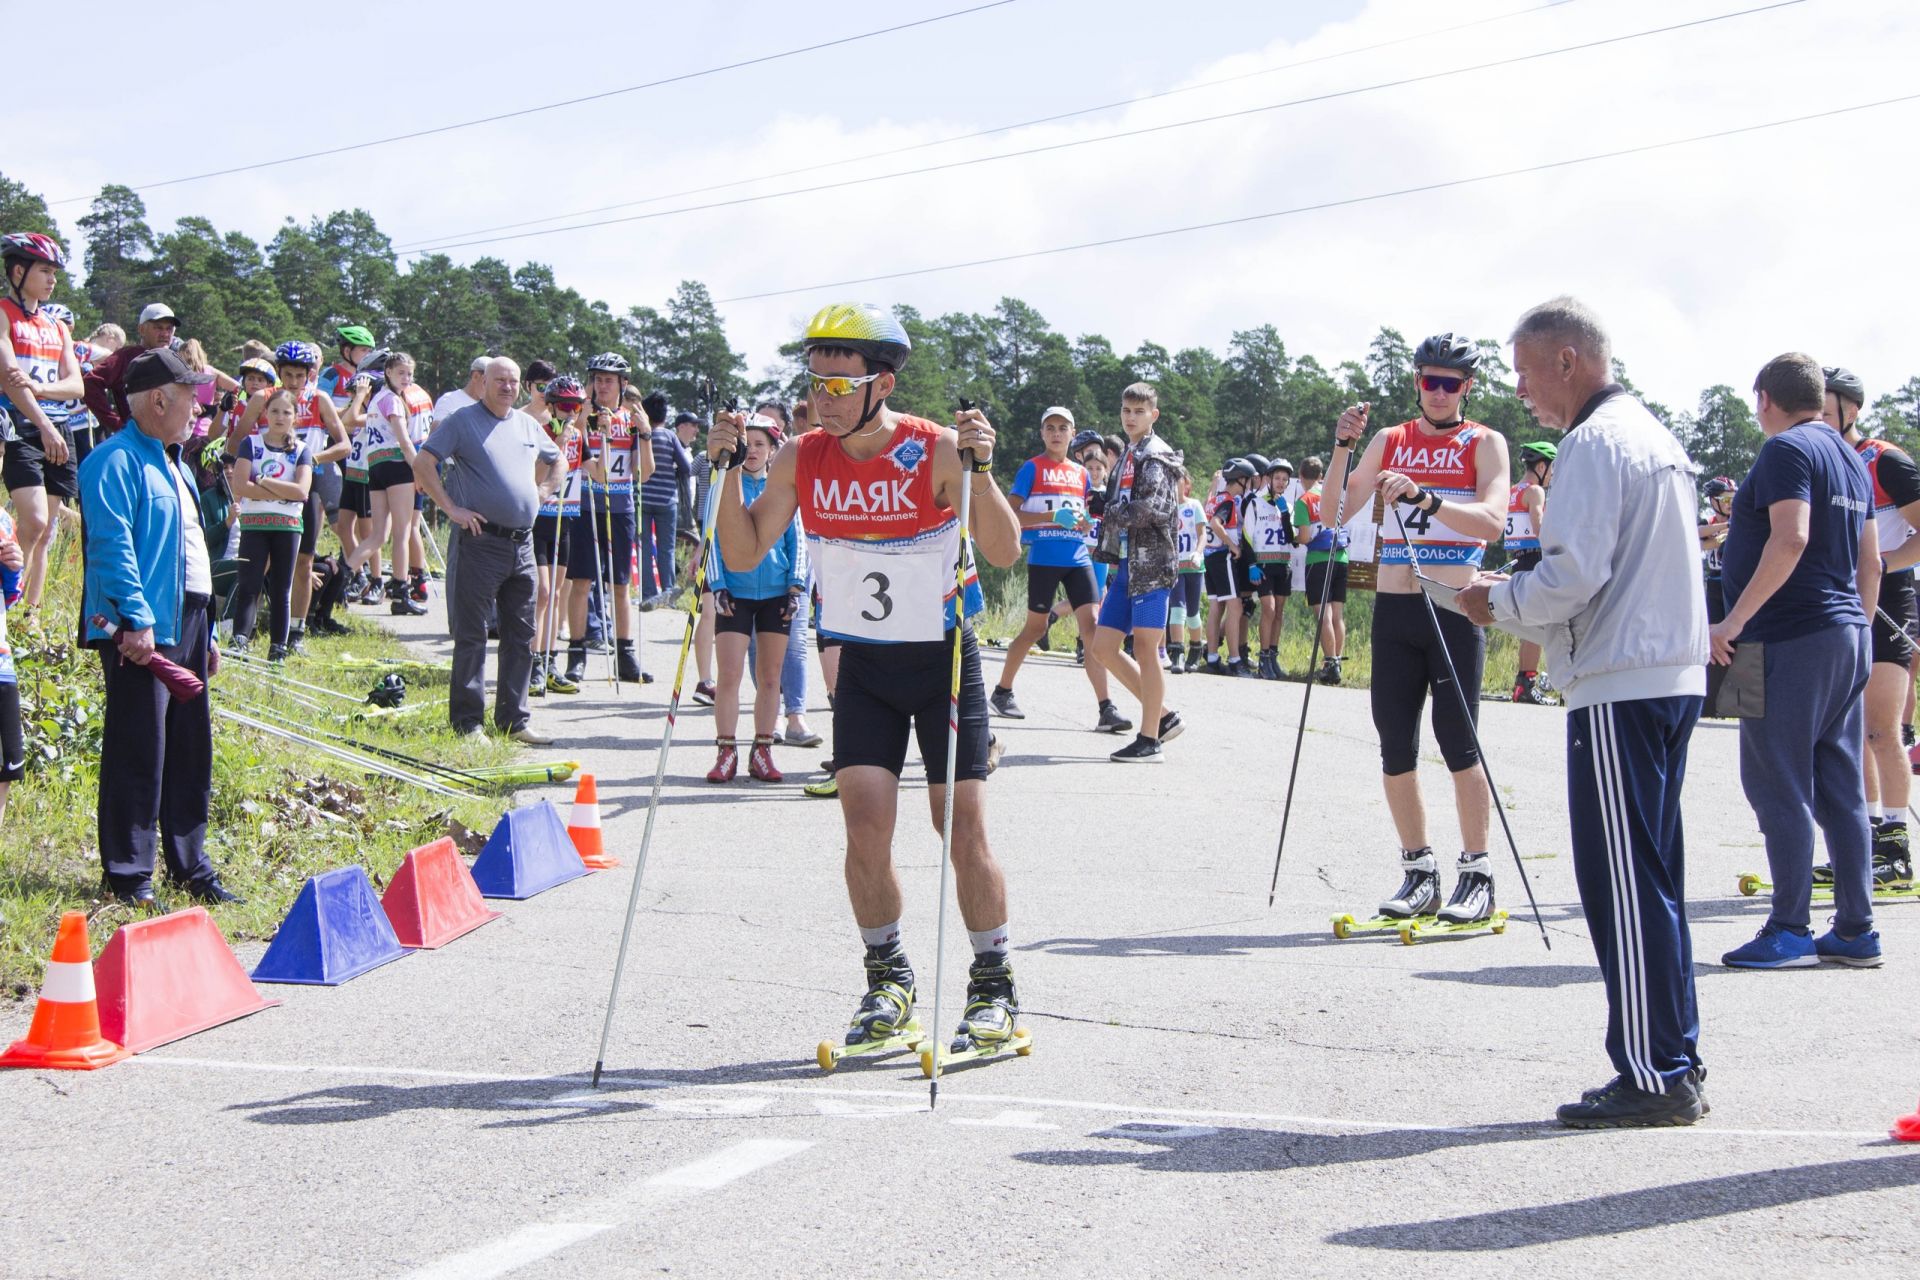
x=1347, y=202
x=1143, y=131
x=997, y=129
x=681, y=78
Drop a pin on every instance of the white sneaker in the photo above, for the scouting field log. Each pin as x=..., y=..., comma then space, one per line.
x=525, y=735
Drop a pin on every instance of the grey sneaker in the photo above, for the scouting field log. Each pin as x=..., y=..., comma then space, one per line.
x=1001, y=700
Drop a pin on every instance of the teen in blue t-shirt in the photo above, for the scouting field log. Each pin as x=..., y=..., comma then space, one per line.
x=1808, y=463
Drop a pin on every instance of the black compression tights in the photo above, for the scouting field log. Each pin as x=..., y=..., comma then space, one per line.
x=1408, y=666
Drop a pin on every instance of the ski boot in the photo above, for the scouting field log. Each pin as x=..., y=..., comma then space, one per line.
x=1080, y=660
x=1274, y=671
x=278, y=653
x=1177, y=661
x=727, y=764
x=400, y=604
x=1527, y=690
x=988, y=1023
x=1196, y=655
x=239, y=642
x=1472, y=900
x=417, y=586
x=885, y=1019
x=1240, y=668
x=1329, y=672
x=297, y=640
x=1892, y=860
x=537, y=679
x=576, y=664
x=557, y=681
x=629, y=666
x=1419, y=893
x=760, y=760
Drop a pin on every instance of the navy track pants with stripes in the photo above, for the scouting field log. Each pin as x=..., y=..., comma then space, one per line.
x=1626, y=763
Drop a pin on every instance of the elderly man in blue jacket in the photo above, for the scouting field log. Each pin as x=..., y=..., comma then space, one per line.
x=148, y=591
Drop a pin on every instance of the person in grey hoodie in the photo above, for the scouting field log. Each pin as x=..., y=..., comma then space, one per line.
x=1616, y=600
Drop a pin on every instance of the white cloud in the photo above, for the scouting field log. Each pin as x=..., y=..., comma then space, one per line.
x=1704, y=260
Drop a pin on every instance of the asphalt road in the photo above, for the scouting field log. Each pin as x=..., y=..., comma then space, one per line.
x=1215, y=1087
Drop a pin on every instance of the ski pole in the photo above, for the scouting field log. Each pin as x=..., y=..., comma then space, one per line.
x=708, y=519
x=609, y=623
x=953, y=755
x=1912, y=640
x=441, y=772
x=1473, y=728
x=359, y=762
x=1313, y=653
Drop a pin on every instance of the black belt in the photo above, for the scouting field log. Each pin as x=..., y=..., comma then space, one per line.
x=501, y=531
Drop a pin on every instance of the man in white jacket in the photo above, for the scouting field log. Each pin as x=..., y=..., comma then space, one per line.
x=1616, y=599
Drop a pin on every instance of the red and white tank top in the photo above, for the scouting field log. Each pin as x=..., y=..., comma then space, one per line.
x=1893, y=527
x=1520, y=535
x=389, y=413
x=1445, y=463
x=884, y=548
x=37, y=341
x=307, y=420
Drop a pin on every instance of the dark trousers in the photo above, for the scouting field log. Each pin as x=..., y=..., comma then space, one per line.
x=267, y=557
x=156, y=765
x=1626, y=764
x=1800, y=766
x=657, y=526
x=496, y=574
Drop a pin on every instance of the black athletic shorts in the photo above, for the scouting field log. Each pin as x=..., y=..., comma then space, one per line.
x=1317, y=588
x=1225, y=578
x=356, y=497
x=587, y=545
x=314, y=518
x=752, y=618
x=1524, y=562
x=26, y=467
x=1894, y=641
x=1045, y=580
x=390, y=474
x=13, y=748
x=1409, y=666
x=550, y=540
x=887, y=691
x=1276, y=579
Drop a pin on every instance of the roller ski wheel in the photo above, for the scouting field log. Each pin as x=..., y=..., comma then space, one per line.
x=1751, y=884
x=1347, y=926
x=910, y=1036
x=1412, y=931
x=1019, y=1043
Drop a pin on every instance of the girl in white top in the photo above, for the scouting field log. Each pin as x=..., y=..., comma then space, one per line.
x=398, y=417
x=272, y=478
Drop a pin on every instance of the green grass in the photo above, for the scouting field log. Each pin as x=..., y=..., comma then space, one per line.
x=1006, y=611
x=281, y=811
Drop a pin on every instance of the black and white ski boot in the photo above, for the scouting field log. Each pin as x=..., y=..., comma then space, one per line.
x=1472, y=899
x=993, y=1009
x=887, y=1008
x=1419, y=891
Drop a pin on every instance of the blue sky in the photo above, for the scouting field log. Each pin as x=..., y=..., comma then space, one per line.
x=1705, y=260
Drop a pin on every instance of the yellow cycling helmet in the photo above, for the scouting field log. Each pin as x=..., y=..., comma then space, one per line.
x=860, y=326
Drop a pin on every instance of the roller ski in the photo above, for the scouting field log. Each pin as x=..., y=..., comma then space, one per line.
x=1415, y=911
x=988, y=1026
x=885, y=1021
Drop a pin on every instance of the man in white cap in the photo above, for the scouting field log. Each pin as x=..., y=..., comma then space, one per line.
x=106, y=385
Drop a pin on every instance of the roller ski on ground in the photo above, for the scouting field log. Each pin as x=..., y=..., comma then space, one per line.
x=1415, y=912
x=989, y=1024
x=885, y=1021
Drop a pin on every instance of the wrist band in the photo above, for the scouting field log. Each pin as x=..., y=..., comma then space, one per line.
x=979, y=467
x=1432, y=503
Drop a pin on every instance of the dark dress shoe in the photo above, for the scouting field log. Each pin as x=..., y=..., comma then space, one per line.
x=212, y=891
x=139, y=894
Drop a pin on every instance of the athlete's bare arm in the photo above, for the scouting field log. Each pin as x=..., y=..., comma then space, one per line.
x=18, y=388
x=1907, y=554
x=1349, y=489
x=341, y=445
x=994, y=527
x=746, y=533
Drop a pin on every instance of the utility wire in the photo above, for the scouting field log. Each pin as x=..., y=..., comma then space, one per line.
x=1143, y=131
x=997, y=129
x=681, y=78
x=1334, y=204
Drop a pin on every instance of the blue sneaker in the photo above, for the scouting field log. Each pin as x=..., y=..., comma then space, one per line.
x=1773, y=948
x=1862, y=952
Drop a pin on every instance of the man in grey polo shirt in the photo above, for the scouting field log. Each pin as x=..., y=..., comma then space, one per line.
x=507, y=463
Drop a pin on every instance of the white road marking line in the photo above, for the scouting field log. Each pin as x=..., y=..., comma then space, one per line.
x=1007, y=1120
x=839, y=1094
x=510, y=1253
x=865, y=1110
x=722, y=1167
x=714, y=1106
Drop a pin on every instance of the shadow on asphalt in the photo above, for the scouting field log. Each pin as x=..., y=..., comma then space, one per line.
x=1546, y=975
x=1639, y=1210
x=1199, y=1149
x=520, y=1104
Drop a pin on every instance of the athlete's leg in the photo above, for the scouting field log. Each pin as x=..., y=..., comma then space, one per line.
x=400, y=520
x=623, y=612
x=1398, y=694
x=1466, y=652
x=33, y=517
x=1105, y=647
x=1889, y=777
x=1475, y=803
x=1031, y=630
x=770, y=656
x=1096, y=671
x=1529, y=656
x=1337, y=623
x=869, y=796
x=1269, y=620
x=977, y=879
x=731, y=648
x=1153, y=678
x=703, y=640
x=1409, y=810
x=1236, y=630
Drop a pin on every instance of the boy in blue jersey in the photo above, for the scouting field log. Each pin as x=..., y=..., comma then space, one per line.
x=1050, y=498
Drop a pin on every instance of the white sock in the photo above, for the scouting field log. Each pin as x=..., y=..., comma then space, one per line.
x=988, y=939
x=884, y=936
x=1873, y=811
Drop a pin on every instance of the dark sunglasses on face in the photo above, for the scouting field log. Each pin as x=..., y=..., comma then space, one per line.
x=1440, y=382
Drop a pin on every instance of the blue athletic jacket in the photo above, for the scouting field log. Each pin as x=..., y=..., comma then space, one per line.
x=785, y=567
x=136, y=565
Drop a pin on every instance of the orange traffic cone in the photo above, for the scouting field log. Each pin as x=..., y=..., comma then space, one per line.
x=1907, y=1128
x=66, y=1025
x=584, y=826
